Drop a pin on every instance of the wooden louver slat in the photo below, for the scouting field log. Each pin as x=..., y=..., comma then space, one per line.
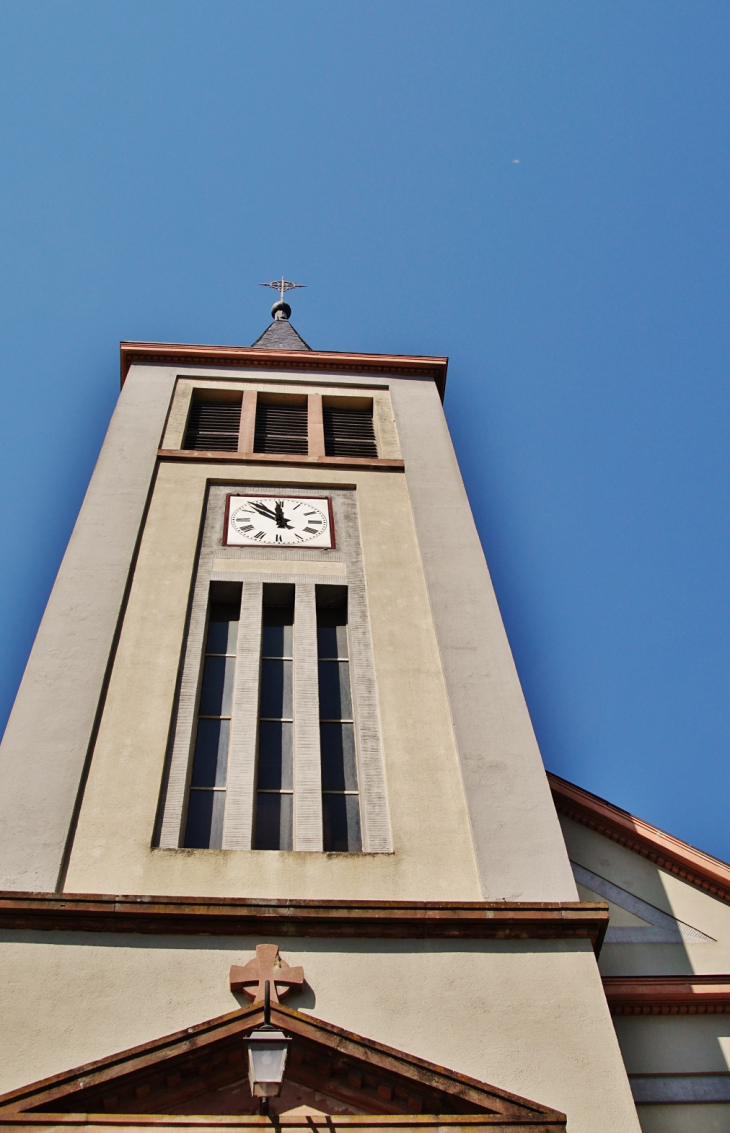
x=281, y=428
x=213, y=426
x=348, y=432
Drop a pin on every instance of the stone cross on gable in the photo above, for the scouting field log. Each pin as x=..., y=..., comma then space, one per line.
x=268, y=965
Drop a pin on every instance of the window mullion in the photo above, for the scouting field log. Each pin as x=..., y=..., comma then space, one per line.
x=315, y=425
x=247, y=427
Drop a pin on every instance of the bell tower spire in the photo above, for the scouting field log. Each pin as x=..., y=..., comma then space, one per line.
x=281, y=335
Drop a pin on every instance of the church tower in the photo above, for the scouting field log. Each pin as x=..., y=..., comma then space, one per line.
x=271, y=736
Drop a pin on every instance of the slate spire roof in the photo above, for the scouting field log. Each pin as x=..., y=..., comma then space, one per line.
x=280, y=335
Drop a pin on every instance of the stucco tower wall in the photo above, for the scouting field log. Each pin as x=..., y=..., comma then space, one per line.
x=518, y=845
x=50, y=729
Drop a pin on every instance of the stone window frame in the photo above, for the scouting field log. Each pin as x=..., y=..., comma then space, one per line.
x=309, y=568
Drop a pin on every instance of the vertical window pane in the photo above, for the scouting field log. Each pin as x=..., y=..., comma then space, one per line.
x=204, y=829
x=276, y=640
x=207, y=797
x=216, y=695
x=222, y=629
x=332, y=641
x=273, y=822
x=211, y=753
x=335, y=702
x=341, y=820
x=274, y=778
x=340, y=800
x=275, y=756
x=339, y=767
x=276, y=689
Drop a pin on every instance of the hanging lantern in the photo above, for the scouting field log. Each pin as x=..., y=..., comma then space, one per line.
x=268, y=1048
x=267, y=1052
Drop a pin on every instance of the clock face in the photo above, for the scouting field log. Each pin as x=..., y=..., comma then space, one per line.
x=278, y=521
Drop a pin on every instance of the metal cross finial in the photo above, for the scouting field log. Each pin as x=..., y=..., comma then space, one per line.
x=282, y=285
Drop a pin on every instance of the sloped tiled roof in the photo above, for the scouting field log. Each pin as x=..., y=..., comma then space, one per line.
x=280, y=335
x=669, y=853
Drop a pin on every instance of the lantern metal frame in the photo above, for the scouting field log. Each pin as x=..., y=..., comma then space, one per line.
x=278, y=1043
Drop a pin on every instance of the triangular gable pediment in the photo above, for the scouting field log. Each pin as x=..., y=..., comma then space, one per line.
x=202, y=1070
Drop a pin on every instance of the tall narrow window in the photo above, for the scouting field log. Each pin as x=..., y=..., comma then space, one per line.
x=348, y=432
x=340, y=799
x=207, y=798
x=281, y=426
x=274, y=777
x=213, y=426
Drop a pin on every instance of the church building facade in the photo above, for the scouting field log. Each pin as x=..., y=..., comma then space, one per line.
x=270, y=764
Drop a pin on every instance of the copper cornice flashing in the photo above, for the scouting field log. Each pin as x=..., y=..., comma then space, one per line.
x=181, y=354
x=668, y=995
x=93, y=912
x=669, y=853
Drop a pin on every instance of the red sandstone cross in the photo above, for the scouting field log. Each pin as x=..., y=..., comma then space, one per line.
x=268, y=965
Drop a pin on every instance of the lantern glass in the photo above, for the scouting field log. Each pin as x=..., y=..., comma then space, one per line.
x=267, y=1052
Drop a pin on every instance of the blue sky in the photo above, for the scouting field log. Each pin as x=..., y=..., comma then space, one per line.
x=538, y=190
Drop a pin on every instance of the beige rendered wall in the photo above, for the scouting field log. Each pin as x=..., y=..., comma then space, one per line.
x=433, y=856
x=525, y=1016
x=664, y=891
x=519, y=850
x=51, y=727
x=675, y=1044
x=666, y=1046
x=683, y=1118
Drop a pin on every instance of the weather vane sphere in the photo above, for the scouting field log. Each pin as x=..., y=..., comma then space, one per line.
x=281, y=310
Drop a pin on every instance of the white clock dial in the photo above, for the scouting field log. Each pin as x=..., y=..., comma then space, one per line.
x=278, y=521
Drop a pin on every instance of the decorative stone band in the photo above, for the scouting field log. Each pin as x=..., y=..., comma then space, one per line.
x=503, y=920
x=668, y=995
x=383, y=463
x=669, y=853
x=678, y=1089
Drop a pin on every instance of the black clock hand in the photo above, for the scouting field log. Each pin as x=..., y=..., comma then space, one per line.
x=262, y=510
x=281, y=521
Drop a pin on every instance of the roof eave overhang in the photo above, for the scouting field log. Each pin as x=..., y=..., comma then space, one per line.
x=669, y=853
x=313, y=361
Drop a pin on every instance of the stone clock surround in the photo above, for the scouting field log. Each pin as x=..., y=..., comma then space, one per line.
x=303, y=567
